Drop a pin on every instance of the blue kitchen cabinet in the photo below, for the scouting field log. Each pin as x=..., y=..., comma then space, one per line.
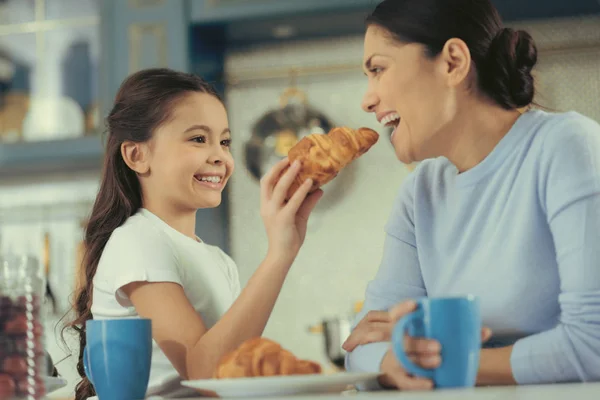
x=515, y=10
x=227, y=11
x=210, y=11
x=138, y=34
x=247, y=22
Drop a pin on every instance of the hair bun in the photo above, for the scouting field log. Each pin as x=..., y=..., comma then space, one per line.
x=507, y=76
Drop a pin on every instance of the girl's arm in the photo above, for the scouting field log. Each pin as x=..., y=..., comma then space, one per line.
x=179, y=331
x=195, y=350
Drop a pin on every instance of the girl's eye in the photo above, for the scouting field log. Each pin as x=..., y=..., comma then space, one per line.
x=199, y=139
x=226, y=142
x=376, y=70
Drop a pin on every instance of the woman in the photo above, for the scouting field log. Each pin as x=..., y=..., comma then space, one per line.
x=504, y=205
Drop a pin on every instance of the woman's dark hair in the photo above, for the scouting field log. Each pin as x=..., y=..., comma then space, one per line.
x=503, y=57
x=145, y=100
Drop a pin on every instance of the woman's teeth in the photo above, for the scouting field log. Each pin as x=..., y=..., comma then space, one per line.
x=213, y=179
x=391, y=119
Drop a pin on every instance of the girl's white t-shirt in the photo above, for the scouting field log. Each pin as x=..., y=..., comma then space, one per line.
x=145, y=248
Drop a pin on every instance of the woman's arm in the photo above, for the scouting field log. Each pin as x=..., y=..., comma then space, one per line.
x=570, y=193
x=398, y=278
x=395, y=282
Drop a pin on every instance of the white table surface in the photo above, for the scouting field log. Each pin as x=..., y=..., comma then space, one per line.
x=571, y=391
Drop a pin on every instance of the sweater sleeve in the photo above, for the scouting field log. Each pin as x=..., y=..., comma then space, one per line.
x=398, y=278
x=569, y=187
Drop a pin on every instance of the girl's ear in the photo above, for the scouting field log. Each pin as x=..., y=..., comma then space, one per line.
x=136, y=156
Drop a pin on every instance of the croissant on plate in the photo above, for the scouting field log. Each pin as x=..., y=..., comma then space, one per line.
x=323, y=156
x=263, y=357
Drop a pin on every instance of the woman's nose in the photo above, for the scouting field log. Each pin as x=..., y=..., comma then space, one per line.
x=369, y=102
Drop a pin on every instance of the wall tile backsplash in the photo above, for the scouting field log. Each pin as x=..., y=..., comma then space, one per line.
x=568, y=69
x=345, y=237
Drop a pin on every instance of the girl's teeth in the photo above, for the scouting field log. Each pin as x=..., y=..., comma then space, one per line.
x=213, y=179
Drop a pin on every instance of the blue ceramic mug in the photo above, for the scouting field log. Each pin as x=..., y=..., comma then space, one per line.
x=117, y=357
x=455, y=322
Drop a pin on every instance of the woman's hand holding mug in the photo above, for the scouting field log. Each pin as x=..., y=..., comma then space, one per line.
x=377, y=326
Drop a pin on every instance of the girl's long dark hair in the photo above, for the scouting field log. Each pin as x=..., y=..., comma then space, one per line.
x=145, y=100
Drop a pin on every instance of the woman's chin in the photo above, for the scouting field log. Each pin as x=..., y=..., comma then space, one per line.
x=401, y=147
x=404, y=156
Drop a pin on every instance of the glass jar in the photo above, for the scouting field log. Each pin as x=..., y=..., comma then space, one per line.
x=22, y=355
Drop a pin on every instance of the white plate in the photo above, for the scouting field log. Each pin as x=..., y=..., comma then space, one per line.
x=54, y=383
x=281, y=385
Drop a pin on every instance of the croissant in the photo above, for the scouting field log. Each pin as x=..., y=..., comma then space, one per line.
x=323, y=156
x=263, y=357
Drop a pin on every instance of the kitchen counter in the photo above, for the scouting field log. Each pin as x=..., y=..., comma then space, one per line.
x=575, y=391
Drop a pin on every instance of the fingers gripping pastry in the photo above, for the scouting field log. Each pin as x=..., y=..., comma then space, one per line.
x=323, y=156
x=263, y=357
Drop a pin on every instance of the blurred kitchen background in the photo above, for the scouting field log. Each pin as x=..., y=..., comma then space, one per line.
x=286, y=68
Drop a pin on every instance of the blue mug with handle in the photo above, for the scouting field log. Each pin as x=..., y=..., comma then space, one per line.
x=117, y=357
x=455, y=322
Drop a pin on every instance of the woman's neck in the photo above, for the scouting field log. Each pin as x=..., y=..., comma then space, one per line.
x=475, y=132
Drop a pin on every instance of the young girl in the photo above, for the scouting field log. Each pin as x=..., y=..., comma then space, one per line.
x=168, y=155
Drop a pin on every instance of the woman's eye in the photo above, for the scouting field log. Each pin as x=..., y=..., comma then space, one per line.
x=376, y=70
x=226, y=142
x=199, y=139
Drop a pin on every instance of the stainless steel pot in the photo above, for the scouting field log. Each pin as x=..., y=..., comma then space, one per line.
x=335, y=331
x=278, y=130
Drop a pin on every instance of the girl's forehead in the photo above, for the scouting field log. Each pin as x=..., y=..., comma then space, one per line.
x=199, y=109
